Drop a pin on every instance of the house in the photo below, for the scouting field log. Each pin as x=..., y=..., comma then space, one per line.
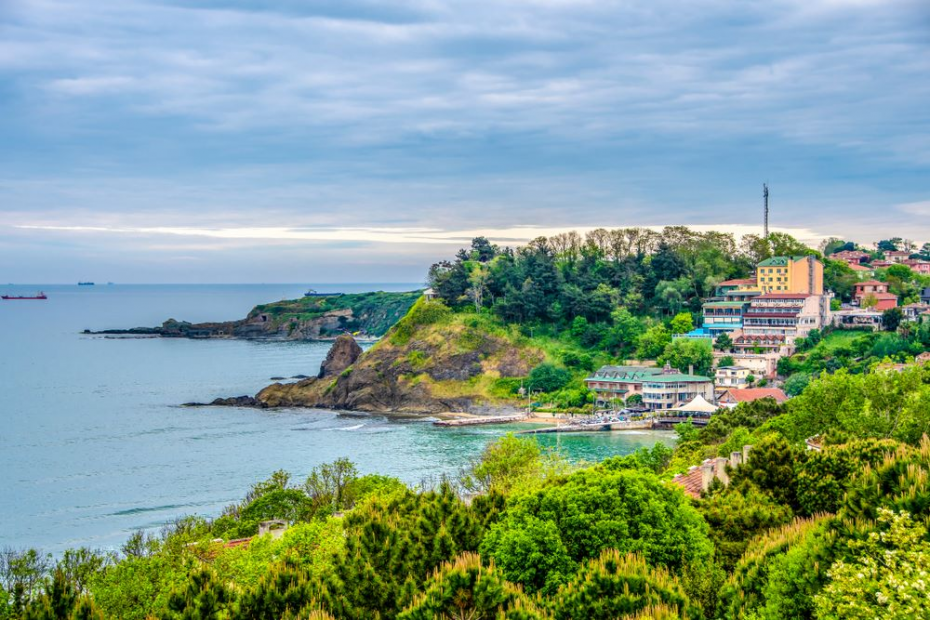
x=430, y=294
x=671, y=388
x=925, y=295
x=882, y=264
x=734, y=396
x=914, y=312
x=857, y=318
x=700, y=477
x=861, y=268
x=897, y=256
x=732, y=376
x=851, y=257
x=923, y=358
x=761, y=362
x=864, y=292
x=918, y=266
x=619, y=382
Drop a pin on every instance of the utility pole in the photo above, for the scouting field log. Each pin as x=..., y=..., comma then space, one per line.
x=765, y=225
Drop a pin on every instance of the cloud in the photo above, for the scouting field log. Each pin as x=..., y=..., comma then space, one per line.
x=357, y=115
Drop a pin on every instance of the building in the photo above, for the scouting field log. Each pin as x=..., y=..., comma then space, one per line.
x=734, y=396
x=877, y=291
x=897, y=256
x=732, y=376
x=851, y=257
x=619, y=382
x=882, y=264
x=925, y=295
x=857, y=318
x=787, y=316
x=787, y=274
x=861, y=269
x=760, y=362
x=700, y=477
x=671, y=388
x=914, y=312
x=918, y=266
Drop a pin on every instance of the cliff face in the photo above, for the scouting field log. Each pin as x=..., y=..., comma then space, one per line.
x=432, y=361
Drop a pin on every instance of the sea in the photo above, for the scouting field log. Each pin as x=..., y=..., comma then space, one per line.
x=94, y=442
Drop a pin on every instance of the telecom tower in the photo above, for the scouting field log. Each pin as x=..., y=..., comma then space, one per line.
x=765, y=226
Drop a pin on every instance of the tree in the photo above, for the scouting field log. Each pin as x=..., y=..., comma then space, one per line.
x=465, y=588
x=651, y=344
x=510, y=462
x=684, y=353
x=771, y=468
x=796, y=383
x=726, y=360
x=869, y=301
x=616, y=585
x=724, y=343
x=548, y=378
x=682, y=323
x=887, y=578
x=330, y=485
x=891, y=319
x=544, y=536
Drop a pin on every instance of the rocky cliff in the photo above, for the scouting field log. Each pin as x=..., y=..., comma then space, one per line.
x=432, y=361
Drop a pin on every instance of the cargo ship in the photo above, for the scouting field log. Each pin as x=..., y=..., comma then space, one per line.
x=39, y=296
x=85, y=283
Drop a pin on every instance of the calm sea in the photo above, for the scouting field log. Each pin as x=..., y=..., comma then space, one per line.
x=93, y=444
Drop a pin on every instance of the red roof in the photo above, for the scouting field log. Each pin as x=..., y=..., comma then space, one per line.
x=737, y=282
x=871, y=283
x=858, y=267
x=690, y=482
x=746, y=395
x=784, y=296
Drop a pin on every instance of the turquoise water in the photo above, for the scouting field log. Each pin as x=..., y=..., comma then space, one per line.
x=93, y=444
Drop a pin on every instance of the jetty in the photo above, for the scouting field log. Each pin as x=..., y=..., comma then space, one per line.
x=497, y=419
x=591, y=427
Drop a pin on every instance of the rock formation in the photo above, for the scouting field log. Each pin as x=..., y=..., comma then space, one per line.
x=341, y=355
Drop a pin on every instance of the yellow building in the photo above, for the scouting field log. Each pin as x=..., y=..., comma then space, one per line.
x=788, y=274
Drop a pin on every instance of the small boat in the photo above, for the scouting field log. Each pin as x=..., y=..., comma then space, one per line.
x=85, y=283
x=39, y=296
x=313, y=293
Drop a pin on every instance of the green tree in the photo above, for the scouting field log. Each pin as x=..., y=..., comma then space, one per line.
x=465, y=588
x=891, y=319
x=617, y=585
x=685, y=353
x=771, y=468
x=652, y=342
x=548, y=378
x=888, y=577
x=724, y=343
x=545, y=535
x=510, y=463
x=796, y=383
x=682, y=323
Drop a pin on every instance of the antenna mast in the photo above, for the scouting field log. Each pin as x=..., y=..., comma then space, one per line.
x=765, y=226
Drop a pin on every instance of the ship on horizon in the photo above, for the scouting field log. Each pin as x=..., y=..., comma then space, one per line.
x=85, y=283
x=40, y=295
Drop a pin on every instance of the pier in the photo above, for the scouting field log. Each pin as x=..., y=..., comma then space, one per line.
x=500, y=419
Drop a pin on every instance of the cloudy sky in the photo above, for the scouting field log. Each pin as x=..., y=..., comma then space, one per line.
x=358, y=141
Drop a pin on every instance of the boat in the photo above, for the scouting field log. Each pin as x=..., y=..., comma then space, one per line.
x=41, y=295
x=313, y=293
x=85, y=283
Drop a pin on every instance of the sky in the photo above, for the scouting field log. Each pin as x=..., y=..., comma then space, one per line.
x=360, y=141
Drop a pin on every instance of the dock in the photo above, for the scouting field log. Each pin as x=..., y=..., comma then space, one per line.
x=633, y=425
x=499, y=419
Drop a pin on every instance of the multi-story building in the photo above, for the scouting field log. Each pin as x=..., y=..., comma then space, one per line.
x=786, y=316
x=732, y=376
x=619, y=382
x=787, y=274
x=671, y=388
x=897, y=256
x=918, y=266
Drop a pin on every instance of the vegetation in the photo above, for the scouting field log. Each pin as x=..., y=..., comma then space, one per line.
x=373, y=313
